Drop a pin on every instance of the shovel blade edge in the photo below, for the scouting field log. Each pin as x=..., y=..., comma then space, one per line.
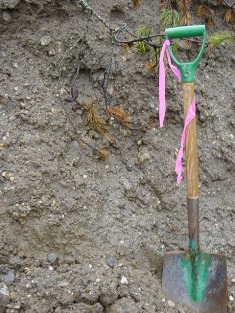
x=201, y=286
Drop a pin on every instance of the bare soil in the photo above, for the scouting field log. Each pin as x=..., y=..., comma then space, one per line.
x=78, y=234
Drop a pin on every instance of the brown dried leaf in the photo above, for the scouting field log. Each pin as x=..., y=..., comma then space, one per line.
x=220, y=2
x=136, y=3
x=103, y=154
x=120, y=115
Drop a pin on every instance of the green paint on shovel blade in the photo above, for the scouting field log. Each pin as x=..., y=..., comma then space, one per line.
x=195, y=267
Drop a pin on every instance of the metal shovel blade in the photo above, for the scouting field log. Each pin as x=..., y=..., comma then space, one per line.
x=198, y=282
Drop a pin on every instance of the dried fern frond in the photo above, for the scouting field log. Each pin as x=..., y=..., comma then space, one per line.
x=102, y=154
x=183, y=7
x=229, y=16
x=136, y=3
x=186, y=18
x=201, y=10
x=120, y=115
x=150, y=66
x=210, y=21
x=95, y=121
x=218, y=38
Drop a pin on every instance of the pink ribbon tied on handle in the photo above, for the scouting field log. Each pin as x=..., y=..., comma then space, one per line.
x=162, y=105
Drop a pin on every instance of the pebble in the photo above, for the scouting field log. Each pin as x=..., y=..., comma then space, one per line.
x=124, y=280
x=63, y=283
x=9, y=4
x=4, y=297
x=52, y=257
x=52, y=52
x=231, y=298
x=107, y=299
x=8, y=278
x=6, y=16
x=233, y=280
x=171, y=303
x=110, y=263
x=143, y=156
x=45, y=40
x=13, y=295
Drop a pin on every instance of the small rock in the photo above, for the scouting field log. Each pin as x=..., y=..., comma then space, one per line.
x=107, y=299
x=129, y=168
x=171, y=303
x=8, y=278
x=6, y=16
x=63, y=283
x=202, y=117
x=231, y=298
x=110, y=263
x=52, y=257
x=13, y=295
x=124, y=280
x=4, y=297
x=233, y=280
x=51, y=52
x=143, y=156
x=45, y=40
x=8, y=4
x=181, y=310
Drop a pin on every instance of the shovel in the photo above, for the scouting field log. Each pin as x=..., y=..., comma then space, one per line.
x=195, y=278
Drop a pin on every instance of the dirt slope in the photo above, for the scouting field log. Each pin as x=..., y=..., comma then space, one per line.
x=78, y=234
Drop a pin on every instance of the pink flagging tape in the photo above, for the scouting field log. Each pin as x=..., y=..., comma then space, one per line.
x=162, y=104
x=178, y=166
x=162, y=79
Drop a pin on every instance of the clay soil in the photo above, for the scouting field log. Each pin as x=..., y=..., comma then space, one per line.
x=81, y=234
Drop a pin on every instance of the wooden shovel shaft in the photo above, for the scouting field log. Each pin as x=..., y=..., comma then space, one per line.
x=191, y=171
x=191, y=145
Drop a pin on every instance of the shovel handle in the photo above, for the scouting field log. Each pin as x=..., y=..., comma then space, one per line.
x=190, y=145
x=187, y=70
x=191, y=171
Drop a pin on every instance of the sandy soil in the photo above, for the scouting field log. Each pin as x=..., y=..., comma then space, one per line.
x=78, y=234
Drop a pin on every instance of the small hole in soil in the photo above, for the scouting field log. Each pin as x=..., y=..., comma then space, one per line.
x=117, y=14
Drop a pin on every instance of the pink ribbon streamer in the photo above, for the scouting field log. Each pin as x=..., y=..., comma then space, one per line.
x=189, y=117
x=162, y=79
x=162, y=105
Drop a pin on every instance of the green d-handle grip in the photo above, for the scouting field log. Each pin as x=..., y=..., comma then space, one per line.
x=187, y=70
